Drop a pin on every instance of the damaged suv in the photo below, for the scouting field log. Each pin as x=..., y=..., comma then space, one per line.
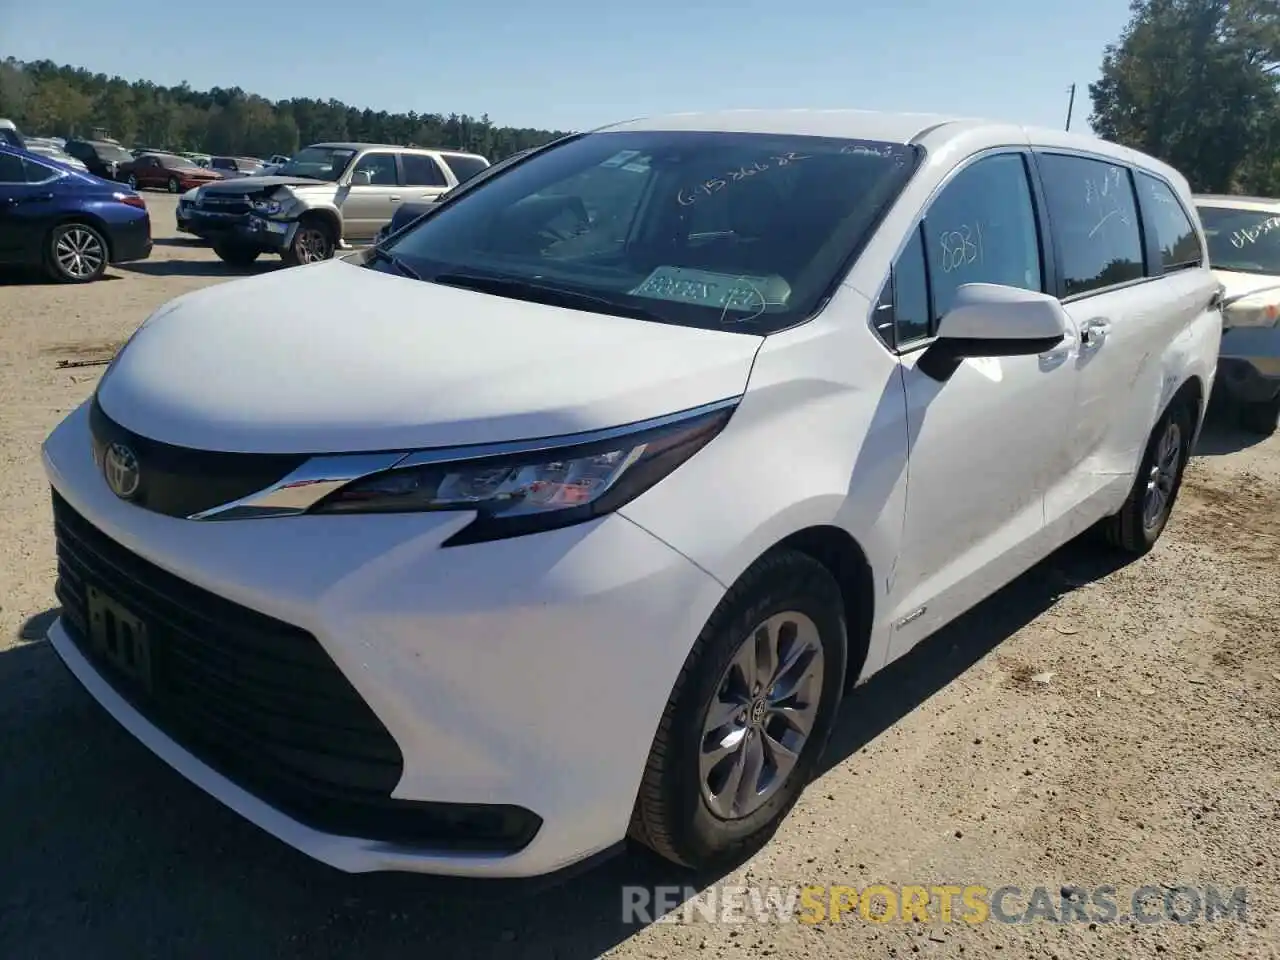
x=328, y=195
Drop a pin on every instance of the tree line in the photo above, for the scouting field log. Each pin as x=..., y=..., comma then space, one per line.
x=48, y=99
x=1194, y=82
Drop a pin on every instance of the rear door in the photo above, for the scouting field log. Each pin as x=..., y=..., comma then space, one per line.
x=423, y=177
x=27, y=205
x=1129, y=297
x=984, y=445
x=373, y=195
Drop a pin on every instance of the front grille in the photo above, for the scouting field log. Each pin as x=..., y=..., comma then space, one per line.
x=182, y=481
x=260, y=701
x=235, y=205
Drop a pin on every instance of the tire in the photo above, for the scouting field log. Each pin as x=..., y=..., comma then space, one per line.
x=236, y=256
x=313, y=241
x=683, y=811
x=1133, y=529
x=132, y=182
x=1261, y=418
x=76, y=253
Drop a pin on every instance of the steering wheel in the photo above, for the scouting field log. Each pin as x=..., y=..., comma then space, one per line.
x=577, y=211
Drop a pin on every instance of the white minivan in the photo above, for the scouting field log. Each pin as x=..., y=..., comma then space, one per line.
x=568, y=514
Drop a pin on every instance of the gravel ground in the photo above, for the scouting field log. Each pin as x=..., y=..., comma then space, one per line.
x=1148, y=757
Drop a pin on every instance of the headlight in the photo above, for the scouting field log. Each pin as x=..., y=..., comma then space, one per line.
x=538, y=489
x=267, y=208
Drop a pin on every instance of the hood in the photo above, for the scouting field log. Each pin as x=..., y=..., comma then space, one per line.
x=336, y=357
x=1241, y=284
x=234, y=184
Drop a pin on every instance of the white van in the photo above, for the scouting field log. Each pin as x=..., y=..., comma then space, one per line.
x=571, y=511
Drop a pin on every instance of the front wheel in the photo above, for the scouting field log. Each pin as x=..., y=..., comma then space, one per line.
x=313, y=241
x=132, y=182
x=753, y=706
x=1137, y=525
x=1261, y=418
x=75, y=253
x=174, y=185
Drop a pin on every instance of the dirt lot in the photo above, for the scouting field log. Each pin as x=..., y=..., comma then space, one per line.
x=1150, y=755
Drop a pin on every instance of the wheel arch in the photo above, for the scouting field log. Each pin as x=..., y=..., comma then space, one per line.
x=846, y=561
x=331, y=217
x=1191, y=392
x=88, y=220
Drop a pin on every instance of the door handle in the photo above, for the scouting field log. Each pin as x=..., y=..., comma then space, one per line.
x=395, y=199
x=1094, y=333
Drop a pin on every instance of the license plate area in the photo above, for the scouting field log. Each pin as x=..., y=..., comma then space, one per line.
x=119, y=638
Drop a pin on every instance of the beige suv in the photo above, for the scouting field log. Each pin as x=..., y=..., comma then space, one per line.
x=328, y=195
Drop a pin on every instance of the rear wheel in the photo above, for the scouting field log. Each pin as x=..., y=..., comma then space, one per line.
x=1261, y=418
x=75, y=253
x=750, y=713
x=313, y=241
x=236, y=255
x=1137, y=525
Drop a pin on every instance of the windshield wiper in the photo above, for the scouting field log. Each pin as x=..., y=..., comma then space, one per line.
x=377, y=253
x=543, y=293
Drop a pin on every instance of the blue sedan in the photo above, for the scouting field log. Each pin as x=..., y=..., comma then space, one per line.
x=70, y=223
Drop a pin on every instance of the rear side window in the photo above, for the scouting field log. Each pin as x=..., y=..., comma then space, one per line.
x=1095, y=222
x=982, y=229
x=464, y=167
x=10, y=137
x=1168, y=221
x=421, y=171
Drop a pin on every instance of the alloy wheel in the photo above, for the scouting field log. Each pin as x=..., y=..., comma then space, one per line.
x=79, y=253
x=312, y=245
x=762, y=714
x=1163, y=475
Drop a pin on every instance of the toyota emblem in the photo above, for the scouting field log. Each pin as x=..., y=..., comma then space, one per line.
x=120, y=468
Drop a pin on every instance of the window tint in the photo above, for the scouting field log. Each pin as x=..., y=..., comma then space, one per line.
x=911, y=292
x=421, y=171
x=1165, y=217
x=982, y=229
x=222, y=163
x=10, y=137
x=464, y=167
x=11, y=169
x=1095, y=221
x=36, y=172
x=381, y=168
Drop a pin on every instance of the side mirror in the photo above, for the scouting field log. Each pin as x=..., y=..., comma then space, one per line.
x=992, y=320
x=361, y=178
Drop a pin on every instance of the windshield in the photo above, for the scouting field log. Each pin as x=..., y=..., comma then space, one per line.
x=318, y=163
x=176, y=163
x=1246, y=241
x=718, y=230
x=106, y=151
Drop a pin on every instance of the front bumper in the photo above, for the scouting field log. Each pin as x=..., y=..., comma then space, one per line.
x=529, y=673
x=245, y=230
x=1249, y=363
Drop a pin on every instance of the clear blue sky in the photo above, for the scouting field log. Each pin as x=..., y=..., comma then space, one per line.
x=572, y=64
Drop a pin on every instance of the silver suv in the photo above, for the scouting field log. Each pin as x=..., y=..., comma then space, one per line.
x=327, y=195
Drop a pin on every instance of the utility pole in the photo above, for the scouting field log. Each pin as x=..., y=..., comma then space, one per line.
x=1071, y=105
